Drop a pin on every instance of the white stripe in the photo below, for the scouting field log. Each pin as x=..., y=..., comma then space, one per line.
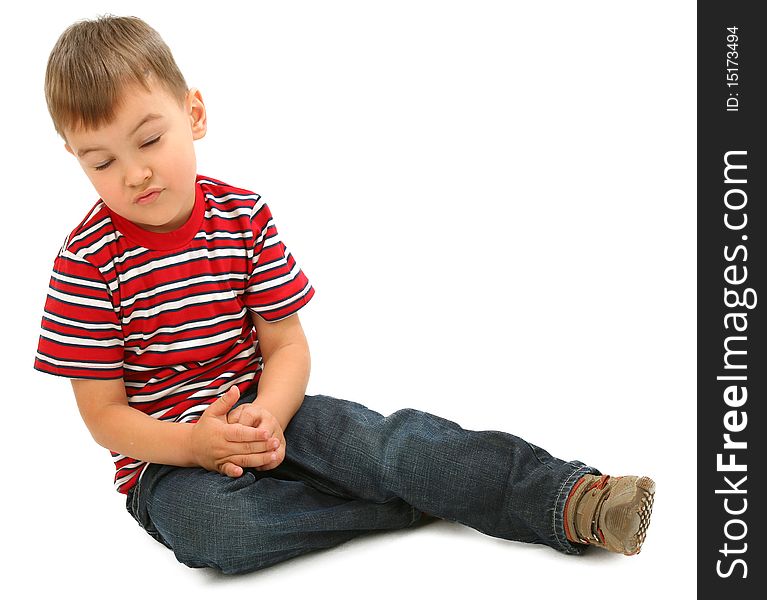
x=130, y=254
x=230, y=196
x=249, y=352
x=66, y=339
x=261, y=235
x=74, y=257
x=91, y=326
x=80, y=300
x=180, y=388
x=208, y=393
x=189, y=386
x=181, y=284
x=132, y=468
x=237, y=235
x=74, y=364
x=242, y=211
x=117, y=260
x=186, y=257
x=277, y=305
x=97, y=245
x=176, y=367
x=161, y=413
x=92, y=228
x=131, y=465
x=277, y=281
x=78, y=281
x=205, y=341
x=185, y=326
x=176, y=304
x=257, y=205
x=96, y=209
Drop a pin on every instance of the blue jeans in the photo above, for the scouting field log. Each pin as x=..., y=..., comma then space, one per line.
x=348, y=471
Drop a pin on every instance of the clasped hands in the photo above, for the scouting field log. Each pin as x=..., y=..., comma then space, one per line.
x=228, y=442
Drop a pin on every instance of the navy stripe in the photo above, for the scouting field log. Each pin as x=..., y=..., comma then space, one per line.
x=248, y=196
x=229, y=342
x=268, y=221
x=217, y=284
x=278, y=264
x=174, y=265
x=168, y=311
x=234, y=318
x=97, y=234
x=87, y=324
x=111, y=312
x=74, y=289
x=227, y=217
x=173, y=399
x=285, y=308
x=114, y=347
x=91, y=377
x=100, y=281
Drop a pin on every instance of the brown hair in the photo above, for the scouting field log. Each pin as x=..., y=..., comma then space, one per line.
x=94, y=60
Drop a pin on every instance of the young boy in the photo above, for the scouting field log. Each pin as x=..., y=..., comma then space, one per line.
x=173, y=310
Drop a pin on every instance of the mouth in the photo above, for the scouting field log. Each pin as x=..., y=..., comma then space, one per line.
x=148, y=196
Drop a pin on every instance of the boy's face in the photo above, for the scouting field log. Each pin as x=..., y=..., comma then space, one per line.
x=143, y=164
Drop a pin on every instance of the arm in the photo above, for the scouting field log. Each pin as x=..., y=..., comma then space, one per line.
x=287, y=364
x=282, y=385
x=210, y=443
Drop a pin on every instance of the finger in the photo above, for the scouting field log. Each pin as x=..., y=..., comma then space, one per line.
x=271, y=464
x=232, y=470
x=242, y=448
x=224, y=402
x=233, y=416
x=270, y=445
x=237, y=432
x=251, y=415
x=255, y=416
x=253, y=460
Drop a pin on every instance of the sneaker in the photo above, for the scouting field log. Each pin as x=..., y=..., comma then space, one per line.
x=610, y=512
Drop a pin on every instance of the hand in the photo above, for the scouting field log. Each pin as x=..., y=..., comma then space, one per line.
x=254, y=415
x=229, y=447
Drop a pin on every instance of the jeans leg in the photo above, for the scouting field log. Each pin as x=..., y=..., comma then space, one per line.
x=492, y=481
x=254, y=521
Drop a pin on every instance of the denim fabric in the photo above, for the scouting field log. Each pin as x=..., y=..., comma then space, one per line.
x=349, y=470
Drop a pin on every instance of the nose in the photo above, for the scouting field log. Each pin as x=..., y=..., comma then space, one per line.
x=137, y=173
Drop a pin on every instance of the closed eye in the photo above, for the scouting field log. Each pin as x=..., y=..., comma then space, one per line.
x=152, y=141
x=103, y=166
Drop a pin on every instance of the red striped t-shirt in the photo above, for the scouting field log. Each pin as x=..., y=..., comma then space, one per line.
x=169, y=312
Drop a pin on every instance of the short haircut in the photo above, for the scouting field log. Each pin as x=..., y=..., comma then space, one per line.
x=94, y=60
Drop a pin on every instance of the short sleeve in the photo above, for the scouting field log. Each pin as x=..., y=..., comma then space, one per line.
x=277, y=287
x=81, y=336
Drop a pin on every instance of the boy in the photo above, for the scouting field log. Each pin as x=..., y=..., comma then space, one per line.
x=173, y=310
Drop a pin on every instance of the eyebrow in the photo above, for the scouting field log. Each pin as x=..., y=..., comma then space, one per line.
x=150, y=117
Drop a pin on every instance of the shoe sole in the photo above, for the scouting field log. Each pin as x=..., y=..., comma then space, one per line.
x=646, y=498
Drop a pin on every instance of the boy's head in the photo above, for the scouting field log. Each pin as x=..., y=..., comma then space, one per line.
x=93, y=61
x=118, y=99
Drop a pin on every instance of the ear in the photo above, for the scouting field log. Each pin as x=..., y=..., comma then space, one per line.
x=195, y=108
x=68, y=148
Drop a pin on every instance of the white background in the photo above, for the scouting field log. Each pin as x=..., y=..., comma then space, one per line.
x=495, y=204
